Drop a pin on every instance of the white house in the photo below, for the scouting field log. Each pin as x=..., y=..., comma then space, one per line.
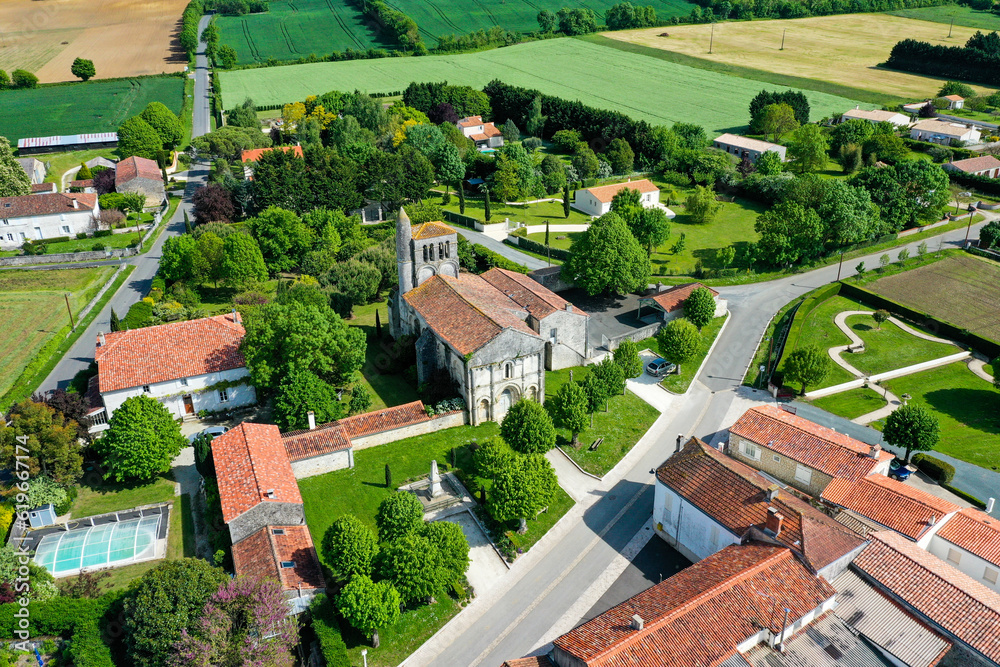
x=187, y=366
x=745, y=147
x=984, y=165
x=34, y=168
x=485, y=135
x=45, y=216
x=915, y=107
x=876, y=116
x=970, y=542
x=955, y=101
x=597, y=201
x=939, y=132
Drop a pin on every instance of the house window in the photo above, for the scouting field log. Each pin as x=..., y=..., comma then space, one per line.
x=425, y=253
x=277, y=531
x=184, y=382
x=10, y=237
x=24, y=236
x=954, y=556
x=508, y=371
x=803, y=475
x=776, y=458
x=750, y=450
x=990, y=575
x=65, y=229
x=287, y=564
x=145, y=388
x=223, y=395
x=554, y=335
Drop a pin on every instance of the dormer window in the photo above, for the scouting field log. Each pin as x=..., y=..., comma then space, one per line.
x=287, y=564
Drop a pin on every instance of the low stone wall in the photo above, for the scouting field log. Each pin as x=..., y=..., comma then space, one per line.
x=64, y=257
x=436, y=423
x=888, y=375
x=322, y=464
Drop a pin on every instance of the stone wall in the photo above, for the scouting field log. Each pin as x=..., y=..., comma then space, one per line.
x=783, y=468
x=437, y=423
x=551, y=278
x=322, y=464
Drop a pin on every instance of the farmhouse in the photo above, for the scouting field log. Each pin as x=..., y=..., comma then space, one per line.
x=485, y=135
x=262, y=508
x=187, y=366
x=137, y=174
x=799, y=452
x=938, y=132
x=955, y=101
x=705, y=501
x=493, y=334
x=49, y=215
x=984, y=165
x=34, y=168
x=876, y=116
x=742, y=147
x=671, y=301
x=597, y=201
x=65, y=143
x=249, y=157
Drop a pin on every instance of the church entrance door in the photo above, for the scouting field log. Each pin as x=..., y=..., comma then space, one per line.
x=503, y=405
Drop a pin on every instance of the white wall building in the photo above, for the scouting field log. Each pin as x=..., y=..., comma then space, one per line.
x=485, y=135
x=45, y=216
x=745, y=147
x=938, y=132
x=876, y=116
x=596, y=201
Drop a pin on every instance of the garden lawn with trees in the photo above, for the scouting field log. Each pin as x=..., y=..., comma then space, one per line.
x=852, y=403
x=678, y=383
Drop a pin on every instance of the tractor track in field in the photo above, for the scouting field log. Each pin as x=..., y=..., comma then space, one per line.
x=254, y=53
x=343, y=26
x=288, y=38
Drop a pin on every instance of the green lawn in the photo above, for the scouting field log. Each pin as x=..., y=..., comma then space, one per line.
x=627, y=420
x=530, y=214
x=679, y=383
x=890, y=347
x=819, y=330
x=414, y=627
x=964, y=16
x=381, y=375
x=851, y=404
x=733, y=226
x=966, y=408
x=104, y=497
x=59, y=163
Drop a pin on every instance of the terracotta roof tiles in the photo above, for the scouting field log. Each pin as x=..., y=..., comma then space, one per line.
x=336, y=436
x=54, y=203
x=470, y=121
x=605, y=193
x=533, y=661
x=975, y=164
x=254, y=154
x=534, y=297
x=675, y=297
x=264, y=553
x=428, y=230
x=41, y=188
x=137, y=167
x=895, y=505
x=976, y=532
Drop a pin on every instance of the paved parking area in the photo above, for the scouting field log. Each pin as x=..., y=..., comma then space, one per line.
x=486, y=568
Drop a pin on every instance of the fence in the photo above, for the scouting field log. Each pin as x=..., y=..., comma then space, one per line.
x=648, y=331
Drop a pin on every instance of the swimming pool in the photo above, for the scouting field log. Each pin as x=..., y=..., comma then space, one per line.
x=107, y=545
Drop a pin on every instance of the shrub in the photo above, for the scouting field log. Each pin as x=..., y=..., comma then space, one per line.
x=327, y=630
x=935, y=468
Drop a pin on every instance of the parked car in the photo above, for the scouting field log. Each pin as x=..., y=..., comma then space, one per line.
x=899, y=470
x=210, y=431
x=659, y=367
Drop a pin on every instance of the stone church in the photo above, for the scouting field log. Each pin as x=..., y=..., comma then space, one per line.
x=495, y=334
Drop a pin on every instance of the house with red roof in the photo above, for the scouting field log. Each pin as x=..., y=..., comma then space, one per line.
x=141, y=175
x=705, y=501
x=249, y=157
x=37, y=217
x=495, y=334
x=596, y=201
x=187, y=366
x=969, y=541
x=669, y=302
x=799, y=452
x=485, y=135
x=987, y=166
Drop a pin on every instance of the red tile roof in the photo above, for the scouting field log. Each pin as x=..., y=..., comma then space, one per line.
x=39, y=188
x=895, y=505
x=810, y=444
x=137, y=167
x=467, y=312
x=675, y=297
x=428, y=230
x=261, y=555
x=490, y=130
x=951, y=599
x=976, y=532
x=55, y=203
x=254, y=155
x=251, y=461
x=975, y=164
x=470, y=121
x=336, y=436
x=735, y=495
x=954, y=98
x=533, y=661
x=85, y=183
x=605, y=193
x=529, y=294
x=169, y=351
x=700, y=615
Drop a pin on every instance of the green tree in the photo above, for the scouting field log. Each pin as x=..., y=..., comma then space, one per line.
x=162, y=604
x=598, y=393
x=607, y=258
x=546, y=21
x=210, y=247
x=242, y=262
x=41, y=585
x=510, y=131
x=83, y=68
x=137, y=137
x=487, y=213
x=725, y=256
x=23, y=79
x=4, y=80
x=807, y=365
x=913, y=428
x=369, y=606
x=885, y=148
x=679, y=341
x=361, y=398
x=359, y=281
x=609, y=374
x=244, y=115
x=522, y=490
x=956, y=88
x=283, y=238
x=853, y=132
x=536, y=121
x=996, y=373
x=141, y=442
x=301, y=392
x=506, y=181
x=778, y=120
x=115, y=324
x=699, y=307
x=849, y=157
x=989, y=234
x=181, y=259
x=808, y=149
x=398, y=515
x=349, y=547
x=566, y=200
x=880, y=316
x=701, y=205
x=226, y=56
x=491, y=457
x=412, y=565
x=569, y=408
x=627, y=357
x=51, y=448
x=453, y=549
x=620, y=156
x=84, y=173
x=789, y=232
x=649, y=226
x=585, y=162
x=769, y=163
x=527, y=428
x=14, y=181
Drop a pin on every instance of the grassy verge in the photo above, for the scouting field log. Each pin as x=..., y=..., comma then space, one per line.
x=186, y=115
x=47, y=358
x=851, y=404
x=890, y=347
x=965, y=406
x=103, y=497
x=679, y=383
x=767, y=351
x=174, y=202
x=626, y=421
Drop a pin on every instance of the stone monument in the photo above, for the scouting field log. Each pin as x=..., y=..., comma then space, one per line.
x=435, y=490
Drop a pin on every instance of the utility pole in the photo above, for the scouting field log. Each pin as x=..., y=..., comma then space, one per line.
x=968, y=228
x=711, y=40
x=841, y=264
x=783, y=39
x=951, y=26
x=72, y=323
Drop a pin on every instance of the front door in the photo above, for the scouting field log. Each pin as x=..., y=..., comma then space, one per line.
x=188, y=405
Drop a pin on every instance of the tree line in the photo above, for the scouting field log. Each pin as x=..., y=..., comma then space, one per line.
x=978, y=60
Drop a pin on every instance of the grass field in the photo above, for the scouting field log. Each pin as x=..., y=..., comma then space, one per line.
x=642, y=87
x=961, y=289
x=851, y=404
x=532, y=214
x=890, y=347
x=965, y=406
x=33, y=305
x=842, y=49
x=963, y=16
x=82, y=108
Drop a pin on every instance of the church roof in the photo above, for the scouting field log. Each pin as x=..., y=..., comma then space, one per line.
x=528, y=293
x=429, y=230
x=466, y=312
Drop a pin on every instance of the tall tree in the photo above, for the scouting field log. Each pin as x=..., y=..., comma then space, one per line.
x=569, y=408
x=449, y=541
x=807, y=365
x=283, y=238
x=349, y=547
x=679, y=341
x=491, y=457
x=165, y=122
x=14, y=181
x=83, y=68
x=522, y=490
x=527, y=428
x=412, y=565
x=607, y=258
x=137, y=137
x=300, y=393
x=699, y=307
x=369, y=606
x=398, y=515
x=912, y=427
x=778, y=120
x=51, y=448
x=701, y=205
x=620, y=156
x=242, y=262
x=116, y=324
x=536, y=121
x=808, y=149
x=141, y=442
x=627, y=357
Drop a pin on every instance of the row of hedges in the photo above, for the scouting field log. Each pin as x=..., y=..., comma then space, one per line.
x=925, y=146
x=79, y=620
x=402, y=27
x=189, y=30
x=542, y=249
x=487, y=259
x=987, y=346
x=948, y=62
x=327, y=630
x=934, y=468
x=460, y=219
x=807, y=306
x=987, y=186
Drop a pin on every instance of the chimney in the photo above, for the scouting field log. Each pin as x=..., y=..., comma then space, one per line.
x=100, y=339
x=932, y=521
x=569, y=307
x=875, y=450
x=76, y=204
x=772, y=492
x=989, y=505
x=773, y=523
x=312, y=420
x=236, y=316
x=269, y=493
x=636, y=623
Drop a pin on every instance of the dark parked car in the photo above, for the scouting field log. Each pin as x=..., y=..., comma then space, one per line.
x=659, y=367
x=899, y=470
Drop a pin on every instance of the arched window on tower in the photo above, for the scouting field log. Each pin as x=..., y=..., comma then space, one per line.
x=425, y=253
x=508, y=370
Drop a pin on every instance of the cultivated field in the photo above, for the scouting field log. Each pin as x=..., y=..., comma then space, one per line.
x=967, y=16
x=122, y=38
x=640, y=86
x=842, y=49
x=961, y=290
x=97, y=106
x=33, y=309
